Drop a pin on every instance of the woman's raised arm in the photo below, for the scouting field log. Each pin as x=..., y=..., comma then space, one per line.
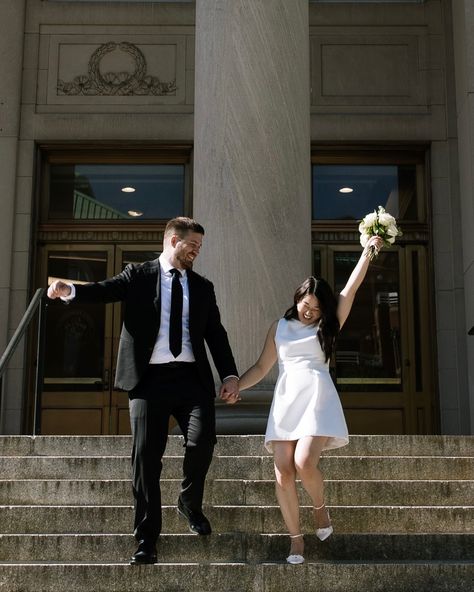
x=346, y=297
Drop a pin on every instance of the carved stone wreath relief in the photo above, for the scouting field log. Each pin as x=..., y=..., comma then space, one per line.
x=117, y=83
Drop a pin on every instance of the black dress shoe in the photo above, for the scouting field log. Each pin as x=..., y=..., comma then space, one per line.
x=146, y=553
x=198, y=523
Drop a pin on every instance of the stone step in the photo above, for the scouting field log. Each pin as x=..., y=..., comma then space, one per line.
x=240, y=467
x=335, y=576
x=245, y=547
x=247, y=445
x=239, y=492
x=401, y=507
x=267, y=519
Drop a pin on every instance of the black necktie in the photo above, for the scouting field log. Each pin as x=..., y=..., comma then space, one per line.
x=176, y=314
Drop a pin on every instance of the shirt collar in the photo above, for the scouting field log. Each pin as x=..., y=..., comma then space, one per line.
x=166, y=265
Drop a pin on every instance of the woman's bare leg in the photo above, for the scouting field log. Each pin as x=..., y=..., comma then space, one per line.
x=285, y=487
x=307, y=454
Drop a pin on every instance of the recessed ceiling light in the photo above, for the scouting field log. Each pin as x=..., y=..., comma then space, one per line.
x=128, y=189
x=135, y=213
x=346, y=190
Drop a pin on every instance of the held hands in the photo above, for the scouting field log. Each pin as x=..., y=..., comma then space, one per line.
x=374, y=244
x=229, y=391
x=58, y=289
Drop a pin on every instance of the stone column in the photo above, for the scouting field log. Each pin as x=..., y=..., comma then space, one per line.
x=463, y=35
x=12, y=19
x=252, y=187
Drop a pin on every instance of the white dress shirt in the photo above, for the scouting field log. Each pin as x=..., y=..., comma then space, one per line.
x=161, y=352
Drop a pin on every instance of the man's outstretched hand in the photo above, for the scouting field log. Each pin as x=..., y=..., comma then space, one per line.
x=58, y=289
x=229, y=391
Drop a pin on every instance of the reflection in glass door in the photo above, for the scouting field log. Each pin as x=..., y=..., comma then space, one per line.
x=381, y=365
x=81, y=344
x=368, y=356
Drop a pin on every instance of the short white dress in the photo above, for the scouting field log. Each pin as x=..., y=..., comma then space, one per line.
x=305, y=402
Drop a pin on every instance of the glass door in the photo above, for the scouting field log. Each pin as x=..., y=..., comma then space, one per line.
x=381, y=364
x=82, y=341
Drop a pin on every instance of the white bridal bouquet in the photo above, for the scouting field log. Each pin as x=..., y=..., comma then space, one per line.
x=378, y=223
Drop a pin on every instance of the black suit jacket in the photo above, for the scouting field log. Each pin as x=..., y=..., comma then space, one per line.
x=138, y=286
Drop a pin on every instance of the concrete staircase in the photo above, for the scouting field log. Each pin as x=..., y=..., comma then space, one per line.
x=402, y=509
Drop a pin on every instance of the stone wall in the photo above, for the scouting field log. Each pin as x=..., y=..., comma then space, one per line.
x=375, y=73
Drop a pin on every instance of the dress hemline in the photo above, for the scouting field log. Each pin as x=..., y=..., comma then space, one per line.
x=333, y=442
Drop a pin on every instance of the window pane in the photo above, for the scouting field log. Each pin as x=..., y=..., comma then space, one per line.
x=368, y=1
x=137, y=257
x=317, y=268
x=141, y=1
x=369, y=349
x=349, y=192
x=74, y=354
x=116, y=192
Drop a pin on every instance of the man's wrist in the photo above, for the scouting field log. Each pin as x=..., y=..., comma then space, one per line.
x=72, y=293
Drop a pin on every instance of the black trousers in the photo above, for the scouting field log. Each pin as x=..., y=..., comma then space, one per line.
x=169, y=390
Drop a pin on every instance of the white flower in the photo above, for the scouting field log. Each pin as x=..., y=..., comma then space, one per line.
x=379, y=223
x=386, y=219
x=392, y=230
x=369, y=220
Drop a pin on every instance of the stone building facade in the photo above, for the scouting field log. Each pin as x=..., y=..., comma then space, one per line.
x=253, y=102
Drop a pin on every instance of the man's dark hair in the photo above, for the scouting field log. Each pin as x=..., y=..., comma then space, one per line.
x=182, y=225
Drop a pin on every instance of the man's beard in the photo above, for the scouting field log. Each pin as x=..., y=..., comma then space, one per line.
x=186, y=263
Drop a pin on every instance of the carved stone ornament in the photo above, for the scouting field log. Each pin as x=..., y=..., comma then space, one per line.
x=117, y=83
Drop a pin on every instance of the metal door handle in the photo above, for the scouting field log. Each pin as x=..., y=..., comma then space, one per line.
x=106, y=379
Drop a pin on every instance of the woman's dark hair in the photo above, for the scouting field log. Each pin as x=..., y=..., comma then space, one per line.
x=328, y=323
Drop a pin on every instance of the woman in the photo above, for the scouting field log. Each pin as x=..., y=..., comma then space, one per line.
x=306, y=416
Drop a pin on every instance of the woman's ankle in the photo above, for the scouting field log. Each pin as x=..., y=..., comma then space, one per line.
x=321, y=516
x=296, y=544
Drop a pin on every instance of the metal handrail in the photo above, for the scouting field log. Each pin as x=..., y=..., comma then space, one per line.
x=37, y=302
x=22, y=327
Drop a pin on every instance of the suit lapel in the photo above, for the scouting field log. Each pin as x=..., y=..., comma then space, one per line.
x=156, y=280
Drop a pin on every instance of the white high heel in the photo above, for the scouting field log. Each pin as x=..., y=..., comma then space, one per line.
x=295, y=559
x=324, y=533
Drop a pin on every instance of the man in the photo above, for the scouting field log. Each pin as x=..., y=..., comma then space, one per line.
x=170, y=313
